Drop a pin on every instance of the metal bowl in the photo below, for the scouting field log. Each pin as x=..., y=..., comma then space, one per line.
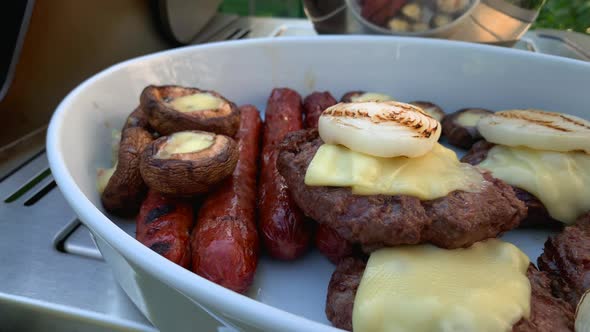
x=486, y=21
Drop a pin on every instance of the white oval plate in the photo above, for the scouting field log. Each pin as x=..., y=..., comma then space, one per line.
x=285, y=296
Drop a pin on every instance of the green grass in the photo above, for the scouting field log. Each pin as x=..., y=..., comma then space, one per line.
x=565, y=15
x=556, y=14
x=279, y=8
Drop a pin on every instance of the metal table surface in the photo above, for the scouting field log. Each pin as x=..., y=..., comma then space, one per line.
x=52, y=276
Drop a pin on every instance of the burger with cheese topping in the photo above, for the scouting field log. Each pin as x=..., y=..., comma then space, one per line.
x=375, y=173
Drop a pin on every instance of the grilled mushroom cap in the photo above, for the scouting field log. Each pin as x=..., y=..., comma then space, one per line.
x=362, y=96
x=431, y=109
x=188, y=163
x=125, y=189
x=172, y=108
x=460, y=127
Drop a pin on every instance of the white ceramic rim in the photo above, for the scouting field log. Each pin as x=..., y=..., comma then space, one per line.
x=186, y=282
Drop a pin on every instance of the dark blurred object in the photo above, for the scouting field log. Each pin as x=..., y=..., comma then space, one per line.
x=181, y=20
x=500, y=22
x=50, y=46
x=15, y=16
x=326, y=15
x=380, y=11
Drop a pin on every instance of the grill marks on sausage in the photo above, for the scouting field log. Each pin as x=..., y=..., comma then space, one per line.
x=159, y=212
x=224, y=241
x=285, y=232
x=161, y=248
x=163, y=225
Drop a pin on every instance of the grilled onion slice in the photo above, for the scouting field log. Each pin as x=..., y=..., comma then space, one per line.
x=537, y=130
x=381, y=129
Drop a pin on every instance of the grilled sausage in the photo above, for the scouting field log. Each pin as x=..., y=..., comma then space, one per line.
x=328, y=242
x=164, y=225
x=224, y=242
x=332, y=245
x=286, y=233
x=314, y=105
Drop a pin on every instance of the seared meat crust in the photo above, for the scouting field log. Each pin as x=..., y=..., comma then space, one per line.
x=566, y=258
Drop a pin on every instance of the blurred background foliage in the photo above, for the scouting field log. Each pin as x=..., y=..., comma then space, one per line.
x=565, y=15
x=556, y=14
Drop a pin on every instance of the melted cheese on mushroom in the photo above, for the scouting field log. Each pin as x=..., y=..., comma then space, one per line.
x=371, y=96
x=196, y=102
x=185, y=142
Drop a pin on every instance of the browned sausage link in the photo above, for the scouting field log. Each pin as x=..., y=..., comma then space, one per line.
x=164, y=225
x=328, y=242
x=224, y=242
x=285, y=232
x=332, y=245
x=314, y=105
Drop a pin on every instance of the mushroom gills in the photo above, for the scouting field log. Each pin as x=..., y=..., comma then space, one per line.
x=196, y=102
x=185, y=142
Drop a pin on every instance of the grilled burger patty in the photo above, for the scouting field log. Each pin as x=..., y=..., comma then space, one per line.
x=548, y=313
x=537, y=213
x=563, y=278
x=566, y=258
x=456, y=220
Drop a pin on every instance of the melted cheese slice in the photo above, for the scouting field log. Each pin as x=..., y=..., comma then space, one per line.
x=424, y=288
x=431, y=176
x=560, y=180
x=470, y=119
x=196, y=102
